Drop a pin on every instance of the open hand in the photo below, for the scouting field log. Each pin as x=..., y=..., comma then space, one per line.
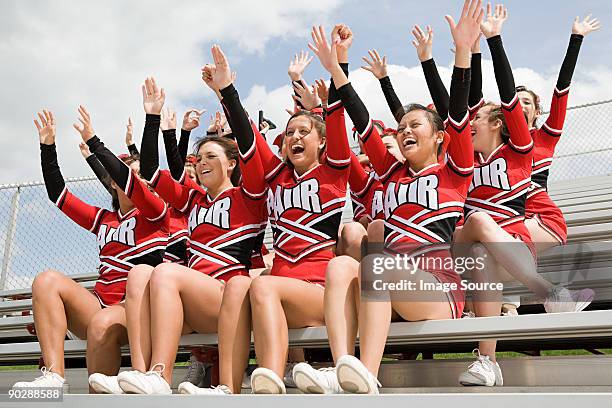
x=191, y=119
x=376, y=65
x=84, y=127
x=307, y=96
x=467, y=29
x=423, y=42
x=585, y=26
x=323, y=50
x=298, y=64
x=494, y=22
x=168, y=119
x=46, y=127
x=153, y=97
x=322, y=91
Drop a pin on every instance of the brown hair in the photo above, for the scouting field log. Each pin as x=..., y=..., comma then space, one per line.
x=316, y=121
x=128, y=160
x=496, y=114
x=230, y=148
x=432, y=116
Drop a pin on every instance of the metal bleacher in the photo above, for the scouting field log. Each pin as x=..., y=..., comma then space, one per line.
x=584, y=262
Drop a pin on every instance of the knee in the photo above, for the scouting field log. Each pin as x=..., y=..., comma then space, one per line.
x=46, y=281
x=103, y=329
x=236, y=289
x=376, y=231
x=341, y=271
x=137, y=279
x=480, y=222
x=261, y=290
x=162, y=275
x=352, y=233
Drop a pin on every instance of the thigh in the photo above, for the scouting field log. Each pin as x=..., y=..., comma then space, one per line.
x=80, y=305
x=418, y=304
x=302, y=301
x=542, y=238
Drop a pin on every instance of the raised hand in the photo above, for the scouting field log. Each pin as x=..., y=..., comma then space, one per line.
x=84, y=128
x=323, y=50
x=191, y=119
x=423, y=42
x=322, y=91
x=153, y=97
x=84, y=149
x=298, y=64
x=306, y=96
x=219, y=75
x=343, y=33
x=585, y=26
x=376, y=65
x=467, y=29
x=168, y=119
x=492, y=26
x=129, y=132
x=46, y=127
x=264, y=127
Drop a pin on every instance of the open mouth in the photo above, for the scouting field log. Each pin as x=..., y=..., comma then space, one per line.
x=206, y=171
x=409, y=142
x=297, y=149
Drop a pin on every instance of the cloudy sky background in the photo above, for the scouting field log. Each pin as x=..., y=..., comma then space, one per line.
x=59, y=54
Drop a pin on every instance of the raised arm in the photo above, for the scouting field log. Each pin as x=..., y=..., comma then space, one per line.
x=85, y=215
x=297, y=66
x=191, y=120
x=96, y=167
x=520, y=138
x=168, y=127
x=219, y=76
x=381, y=159
x=151, y=206
x=378, y=67
x=439, y=95
x=129, y=138
x=475, y=100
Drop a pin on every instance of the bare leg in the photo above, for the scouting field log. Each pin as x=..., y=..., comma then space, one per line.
x=341, y=304
x=277, y=304
x=350, y=238
x=182, y=300
x=138, y=314
x=59, y=303
x=542, y=239
x=234, y=332
x=106, y=333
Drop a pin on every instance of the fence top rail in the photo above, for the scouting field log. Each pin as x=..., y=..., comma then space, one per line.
x=42, y=183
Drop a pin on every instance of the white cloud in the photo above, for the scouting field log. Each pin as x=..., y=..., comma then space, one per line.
x=59, y=54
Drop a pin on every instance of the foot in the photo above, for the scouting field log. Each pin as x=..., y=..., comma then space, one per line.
x=483, y=371
x=104, y=384
x=266, y=381
x=354, y=377
x=190, y=389
x=311, y=381
x=563, y=300
x=49, y=379
x=195, y=371
x=151, y=382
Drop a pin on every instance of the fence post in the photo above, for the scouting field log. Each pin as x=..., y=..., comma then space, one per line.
x=10, y=234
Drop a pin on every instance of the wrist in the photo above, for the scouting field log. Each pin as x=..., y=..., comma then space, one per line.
x=342, y=56
x=295, y=77
x=425, y=57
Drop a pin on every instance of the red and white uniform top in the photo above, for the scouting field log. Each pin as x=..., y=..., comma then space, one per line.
x=366, y=192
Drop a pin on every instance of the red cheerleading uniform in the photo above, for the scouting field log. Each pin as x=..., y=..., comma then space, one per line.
x=223, y=230
x=539, y=205
x=421, y=208
x=124, y=240
x=501, y=181
x=366, y=192
x=307, y=209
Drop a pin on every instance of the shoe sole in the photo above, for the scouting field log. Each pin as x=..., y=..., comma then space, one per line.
x=468, y=383
x=264, y=385
x=351, y=380
x=307, y=384
x=101, y=389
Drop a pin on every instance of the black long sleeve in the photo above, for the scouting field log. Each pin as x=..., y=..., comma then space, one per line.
x=333, y=92
x=54, y=181
x=149, y=157
x=503, y=71
x=183, y=144
x=133, y=150
x=99, y=171
x=301, y=82
x=476, y=82
x=175, y=164
x=394, y=103
x=355, y=107
x=437, y=90
x=459, y=91
x=118, y=171
x=238, y=119
x=569, y=62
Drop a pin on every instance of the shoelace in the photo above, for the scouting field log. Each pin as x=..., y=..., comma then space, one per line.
x=326, y=369
x=46, y=372
x=157, y=372
x=479, y=364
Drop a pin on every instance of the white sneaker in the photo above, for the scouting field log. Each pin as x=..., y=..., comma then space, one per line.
x=288, y=378
x=49, y=379
x=104, y=384
x=311, y=381
x=562, y=300
x=195, y=371
x=266, y=381
x=354, y=377
x=482, y=372
x=190, y=389
x=151, y=382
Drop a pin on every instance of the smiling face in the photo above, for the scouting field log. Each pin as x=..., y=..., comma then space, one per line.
x=213, y=167
x=530, y=107
x=485, y=129
x=302, y=143
x=417, y=140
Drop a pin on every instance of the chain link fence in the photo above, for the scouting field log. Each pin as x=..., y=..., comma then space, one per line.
x=35, y=235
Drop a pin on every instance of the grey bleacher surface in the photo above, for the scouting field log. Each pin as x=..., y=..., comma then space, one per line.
x=584, y=262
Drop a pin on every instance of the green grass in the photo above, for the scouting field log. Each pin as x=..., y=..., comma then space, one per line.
x=19, y=367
